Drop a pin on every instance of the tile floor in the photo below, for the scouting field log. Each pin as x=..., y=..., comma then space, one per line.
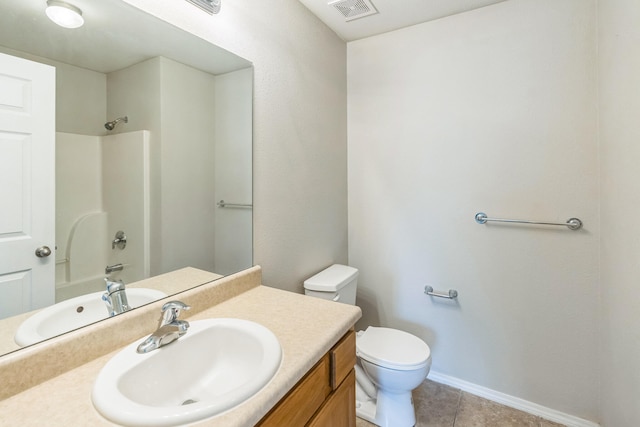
x=438, y=405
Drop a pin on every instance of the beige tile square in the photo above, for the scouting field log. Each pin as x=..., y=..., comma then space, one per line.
x=475, y=411
x=436, y=404
x=362, y=423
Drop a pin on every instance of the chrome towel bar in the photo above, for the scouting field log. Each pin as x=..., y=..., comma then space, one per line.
x=451, y=295
x=223, y=204
x=572, y=223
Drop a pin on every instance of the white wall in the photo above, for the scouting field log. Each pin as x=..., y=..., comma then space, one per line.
x=81, y=100
x=145, y=94
x=619, y=75
x=135, y=92
x=300, y=164
x=493, y=110
x=233, y=170
x=187, y=167
x=184, y=127
x=81, y=96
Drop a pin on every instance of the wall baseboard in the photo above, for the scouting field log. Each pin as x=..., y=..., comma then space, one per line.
x=511, y=401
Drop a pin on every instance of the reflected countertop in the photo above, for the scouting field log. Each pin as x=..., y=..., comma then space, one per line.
x=9, y=325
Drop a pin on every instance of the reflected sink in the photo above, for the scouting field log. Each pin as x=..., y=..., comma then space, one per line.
x=216, y=365
x=75, y=313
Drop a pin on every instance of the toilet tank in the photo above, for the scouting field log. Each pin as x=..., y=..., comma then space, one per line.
x=336, y=283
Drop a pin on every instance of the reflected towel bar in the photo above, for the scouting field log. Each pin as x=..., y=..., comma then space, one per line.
x=572, y=223
x=223, y=204
x=451, y=295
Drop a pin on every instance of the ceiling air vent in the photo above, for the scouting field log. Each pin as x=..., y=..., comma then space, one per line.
x=209, y=6
x=354, y=9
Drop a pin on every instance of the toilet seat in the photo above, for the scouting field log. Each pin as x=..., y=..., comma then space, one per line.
x=392, y=348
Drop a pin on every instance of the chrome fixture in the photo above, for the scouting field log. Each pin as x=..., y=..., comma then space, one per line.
x=111, y=268
x=116, y=297
x=449, y=295
x=572, y=223
x=209, y=6
x=43, y=251
x=169, y=327
x=112, y=124
x=64, y=14
x=223, y=204
x=120, y=241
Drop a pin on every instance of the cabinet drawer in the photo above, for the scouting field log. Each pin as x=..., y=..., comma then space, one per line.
x=343, y=359
x=297, y=407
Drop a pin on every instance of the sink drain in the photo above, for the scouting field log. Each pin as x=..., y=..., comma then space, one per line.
x=189, y=402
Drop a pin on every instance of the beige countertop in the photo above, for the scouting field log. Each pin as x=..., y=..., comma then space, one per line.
x=306, y=328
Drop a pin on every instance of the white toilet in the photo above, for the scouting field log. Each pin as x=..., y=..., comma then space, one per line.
x=391, y=363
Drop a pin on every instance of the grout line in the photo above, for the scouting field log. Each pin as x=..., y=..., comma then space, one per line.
x=455, y=417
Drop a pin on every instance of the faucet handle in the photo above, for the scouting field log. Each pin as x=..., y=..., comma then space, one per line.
x=171, y=311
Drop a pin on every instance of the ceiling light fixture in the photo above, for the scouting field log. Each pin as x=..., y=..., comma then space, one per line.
x=64, y=14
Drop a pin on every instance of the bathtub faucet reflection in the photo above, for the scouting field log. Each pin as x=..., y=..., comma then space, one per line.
x=111, y=268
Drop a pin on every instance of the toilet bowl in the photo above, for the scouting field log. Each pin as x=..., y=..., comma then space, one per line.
x=391, y=363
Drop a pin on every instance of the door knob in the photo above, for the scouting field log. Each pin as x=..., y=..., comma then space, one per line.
x=43, y=251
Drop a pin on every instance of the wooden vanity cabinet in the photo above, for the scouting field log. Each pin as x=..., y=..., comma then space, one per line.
x=325, y=396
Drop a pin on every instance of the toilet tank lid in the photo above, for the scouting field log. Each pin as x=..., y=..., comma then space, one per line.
x=331, y=279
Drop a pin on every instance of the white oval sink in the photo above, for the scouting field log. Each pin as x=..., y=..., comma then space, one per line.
x=216, y=365
x=75, y=313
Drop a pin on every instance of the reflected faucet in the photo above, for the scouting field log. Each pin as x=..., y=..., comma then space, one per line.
x=169, y=327
x=116, y=297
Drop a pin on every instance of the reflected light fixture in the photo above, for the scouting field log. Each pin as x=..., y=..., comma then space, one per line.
x=209, y=6
x=64, y=14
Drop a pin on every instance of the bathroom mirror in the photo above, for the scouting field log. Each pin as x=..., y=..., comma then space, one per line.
x=168, y=187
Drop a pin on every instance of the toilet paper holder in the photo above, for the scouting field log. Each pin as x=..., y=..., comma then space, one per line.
x=452, y=294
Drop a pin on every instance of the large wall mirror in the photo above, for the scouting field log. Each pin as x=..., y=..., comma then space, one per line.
x=153, y=156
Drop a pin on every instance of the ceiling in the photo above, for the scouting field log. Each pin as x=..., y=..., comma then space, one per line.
x=393, y=15
x=115, y=36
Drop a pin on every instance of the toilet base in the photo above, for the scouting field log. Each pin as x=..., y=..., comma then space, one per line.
x=388, y=410
x=366, y=410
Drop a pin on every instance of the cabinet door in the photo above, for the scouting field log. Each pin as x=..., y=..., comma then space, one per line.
x=340, y=409
x=303, y=400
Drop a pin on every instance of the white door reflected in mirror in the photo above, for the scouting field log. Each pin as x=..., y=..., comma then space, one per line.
x=27, y=227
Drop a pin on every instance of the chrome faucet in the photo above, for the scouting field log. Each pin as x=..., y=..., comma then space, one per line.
x=169, y=327
x=111, y=268
x=116, y=297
